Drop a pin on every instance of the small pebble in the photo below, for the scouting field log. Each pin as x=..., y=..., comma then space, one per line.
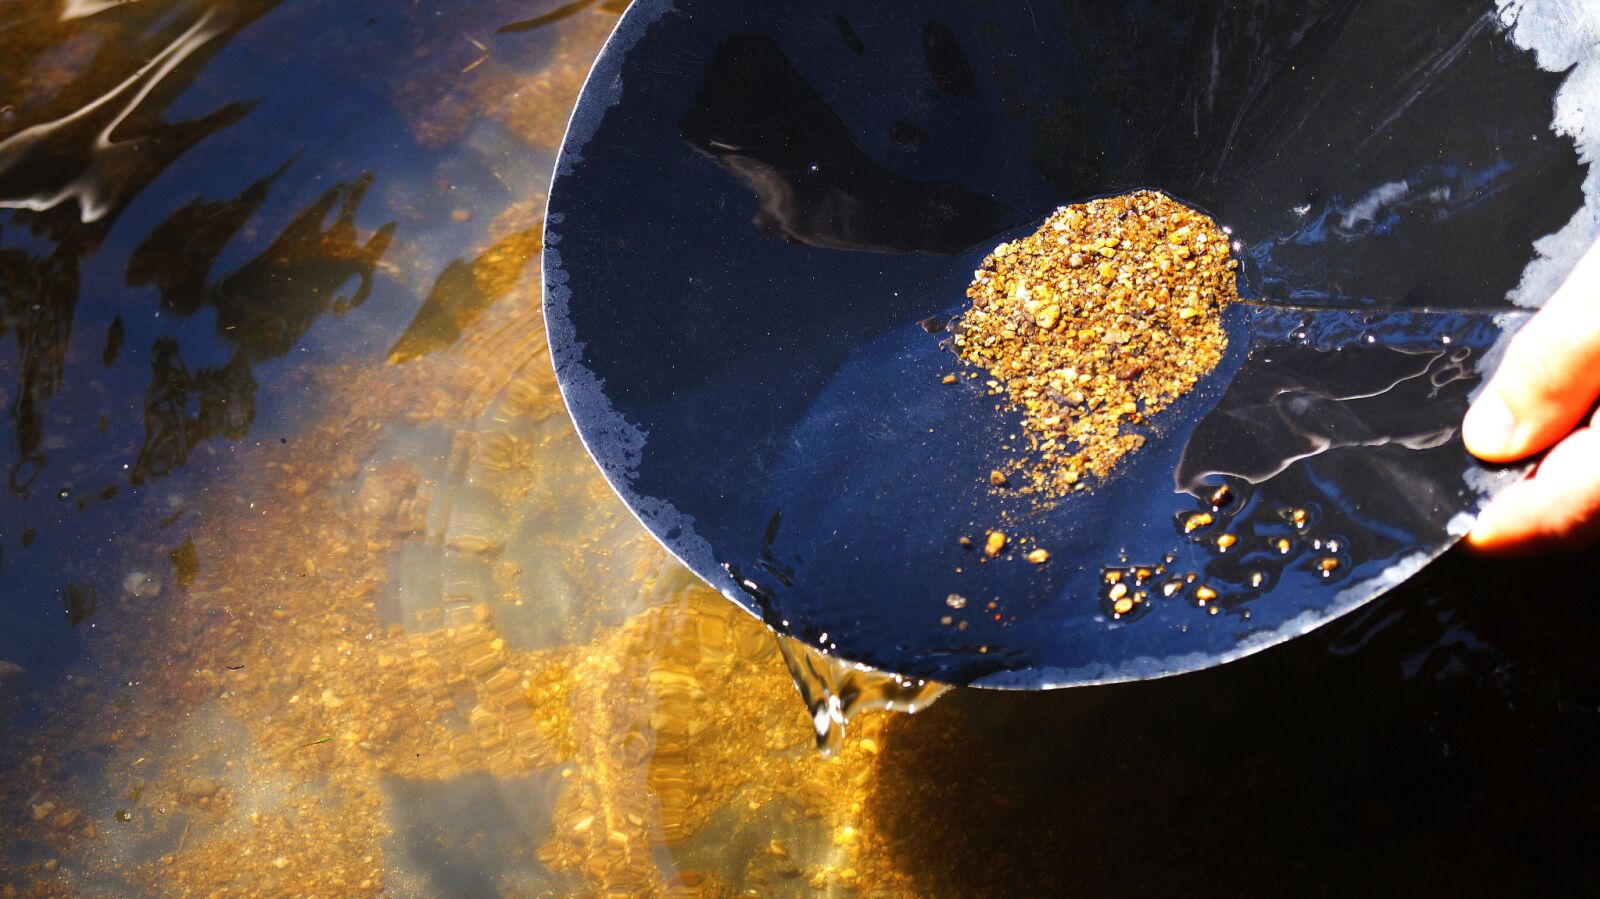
x=994, y=543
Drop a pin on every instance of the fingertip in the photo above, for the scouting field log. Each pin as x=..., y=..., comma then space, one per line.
x=1489, y=429
x=1555, y=509
x=1490, y=543
x=1489, y=535
x=1512, y=524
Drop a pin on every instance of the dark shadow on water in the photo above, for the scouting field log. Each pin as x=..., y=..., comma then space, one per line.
x=69, y=166
x=1440, y=742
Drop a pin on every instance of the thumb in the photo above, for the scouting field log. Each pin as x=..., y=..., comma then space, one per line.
x=1549, y=378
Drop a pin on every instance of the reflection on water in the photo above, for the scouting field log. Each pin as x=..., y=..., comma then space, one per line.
x=309, y=586
x=363, y=613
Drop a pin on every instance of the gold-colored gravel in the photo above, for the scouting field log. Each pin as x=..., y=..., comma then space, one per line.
x=1096, y=322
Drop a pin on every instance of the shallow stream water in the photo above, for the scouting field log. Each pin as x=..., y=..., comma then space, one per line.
x=308, y=587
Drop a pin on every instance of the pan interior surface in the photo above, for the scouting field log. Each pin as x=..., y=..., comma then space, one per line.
x=763, y=212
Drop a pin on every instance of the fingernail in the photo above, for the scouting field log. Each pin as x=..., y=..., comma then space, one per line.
x=1489, y=427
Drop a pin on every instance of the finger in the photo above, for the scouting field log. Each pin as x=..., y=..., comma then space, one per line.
x=1550, y=375
x=1557, y=508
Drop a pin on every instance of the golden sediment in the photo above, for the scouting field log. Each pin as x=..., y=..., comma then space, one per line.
x=994, y=543
x=649, y=728
x=1096, y=322
x=260, y=707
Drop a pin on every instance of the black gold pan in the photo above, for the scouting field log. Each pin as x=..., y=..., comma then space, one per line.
x=762, y=211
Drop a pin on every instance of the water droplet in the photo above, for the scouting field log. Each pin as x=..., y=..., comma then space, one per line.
x=1369, y=338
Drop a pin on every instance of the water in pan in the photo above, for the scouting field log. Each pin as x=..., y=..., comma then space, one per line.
x=358, y=614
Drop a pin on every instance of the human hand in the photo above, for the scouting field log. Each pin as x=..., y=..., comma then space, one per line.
x=1543, y=397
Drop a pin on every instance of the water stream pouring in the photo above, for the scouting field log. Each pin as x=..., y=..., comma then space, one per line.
x=758, y=206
